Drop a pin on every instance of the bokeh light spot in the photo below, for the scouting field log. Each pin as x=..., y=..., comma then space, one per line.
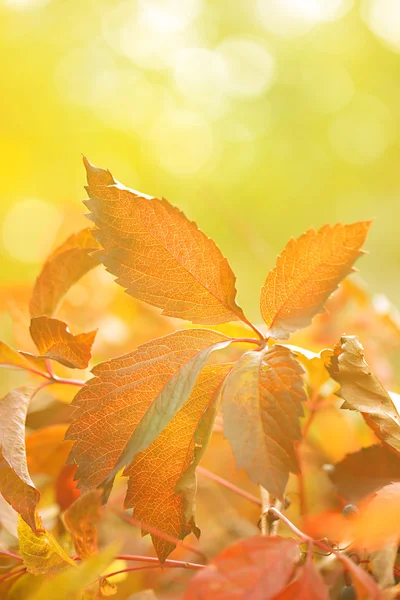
x=182, y=142
x=361, y=133
x=168, y=15
x=30, y=229
x=383, y=18
x=251, y=68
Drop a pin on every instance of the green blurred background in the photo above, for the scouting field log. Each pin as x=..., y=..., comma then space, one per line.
x=259, y=118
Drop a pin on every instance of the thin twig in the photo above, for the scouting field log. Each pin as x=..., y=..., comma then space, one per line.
x=265, y=505
x=229, y=485
x=167, y=563
x=10, y=555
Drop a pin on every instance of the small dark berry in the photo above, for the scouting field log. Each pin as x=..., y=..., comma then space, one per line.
x=350, y=511
x=348, y=593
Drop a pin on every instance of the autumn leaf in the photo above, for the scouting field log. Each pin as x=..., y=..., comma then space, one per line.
x=16, y=484
x=11, y=358
x=308, y=585
x=262, y=406
x=162, y=482
x=131, y=399
x=47, y=450
x=257, y=568
x=366, y=471
x=307, y=272
x=53, y=340
x=158, y=255
x=363, y=391
x=71, y=583
x=81, y=520
x=365, y=586
x=64, y=267
x=41, y=552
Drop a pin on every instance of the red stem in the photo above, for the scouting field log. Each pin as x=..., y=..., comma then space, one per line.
x=18, y=572
x=162, y=535
x=10, y=555
x=229, y=486
x=167, y=563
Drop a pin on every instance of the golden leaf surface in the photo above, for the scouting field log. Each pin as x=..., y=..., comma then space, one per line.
x=16, y=484
x=41, y=552
x=307, y=272
x=81, y=520
x=158, y=255
x=47, y=450
x=162, y=481
x=53, y=340
x=64, y=267
x=363, y=391
x=131, y=399
x=262, y=406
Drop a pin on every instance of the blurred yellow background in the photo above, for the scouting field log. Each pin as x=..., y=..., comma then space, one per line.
x=258, y=118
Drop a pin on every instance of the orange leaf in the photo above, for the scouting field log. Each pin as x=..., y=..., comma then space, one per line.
x=365, y=586
x=257, y=568
x=363, y=391
x=65, y=265
x=158, y=255
x=306, y=273
x=15, y=483
x=262, y=406
x=162, y=482
x=47, y=450
x=132, y=399
x=53, y=340
x=81, y=520
x=308, y=585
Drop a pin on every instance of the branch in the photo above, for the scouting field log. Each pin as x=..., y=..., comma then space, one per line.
x=229, y=485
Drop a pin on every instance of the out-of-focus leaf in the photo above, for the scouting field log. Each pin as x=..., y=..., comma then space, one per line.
x=144, y=595
x=24, y=587
x=81, y=520
x=131, y=400
x=8, y=517
x=107, y=588
x=308, y=585
x=365, y=586
x=71, y=583
x=41, y=552
x=257, y=568
x=364, y=472
x=382, y=563
x=262, y=406
x=162, y=481
x=363, y=391
x=11, y=358
x=158, y=255
x=309, y=269
x=15, y=482
x=53, y=340
x=47, y=450
x=65, y=265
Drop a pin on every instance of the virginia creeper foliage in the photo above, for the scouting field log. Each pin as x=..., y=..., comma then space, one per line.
x=149, y=416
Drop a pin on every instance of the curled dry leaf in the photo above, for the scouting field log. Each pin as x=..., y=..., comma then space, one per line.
x=158, y=255
x=64, y=267
x=257, y=568
x=363, y=391
x=307, y=272
x=16, y=484
x=41, y=552
x=81, y=520
x=53, y=340
x=262, y=406
x=125, y=407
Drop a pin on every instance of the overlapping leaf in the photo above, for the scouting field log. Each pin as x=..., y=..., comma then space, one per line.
x=306, y=273
x=41, y=552
x=257, y=568
x=15, y=482
x=262, y=407
x=53, y=340
x=64, y=267
x=47, y=450
x=363, y=391
x=162, y=482
x=81, y=520
x=132, y=399
x=364, y=472
x=308, y=585
x=158, y=255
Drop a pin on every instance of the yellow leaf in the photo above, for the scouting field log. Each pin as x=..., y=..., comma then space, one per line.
x=81, y=520
x=41, y=552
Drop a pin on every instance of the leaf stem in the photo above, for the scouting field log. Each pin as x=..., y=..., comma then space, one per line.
x=253, y=327
x=168, y=563
x=10, y=555
x=161, y=534
x=229, y=485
